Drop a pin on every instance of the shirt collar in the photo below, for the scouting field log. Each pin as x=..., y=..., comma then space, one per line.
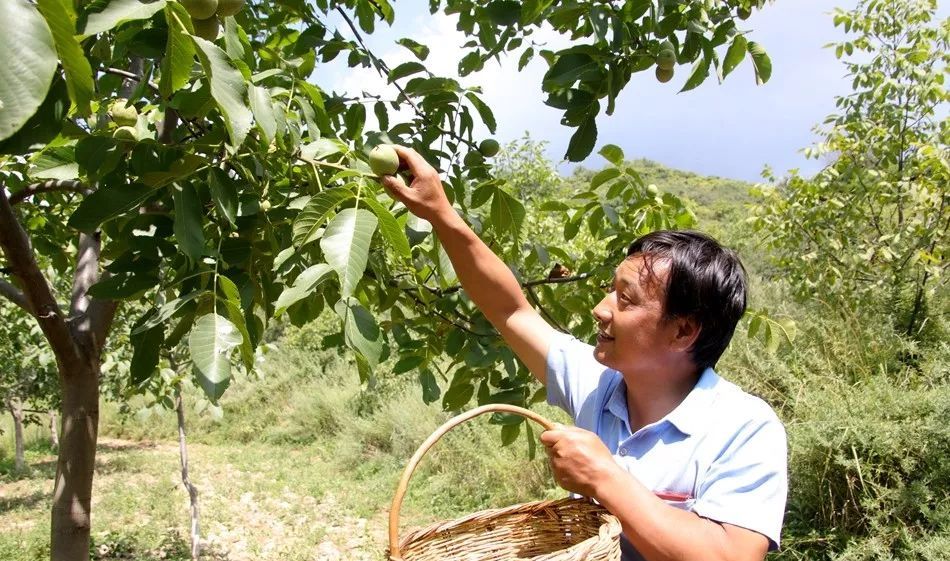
x=688, y=417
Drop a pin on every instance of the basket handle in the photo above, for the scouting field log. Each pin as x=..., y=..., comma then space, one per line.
x=439, y=433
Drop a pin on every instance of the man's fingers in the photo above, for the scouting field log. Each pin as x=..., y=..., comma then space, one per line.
x=395, y=185
x=550, y=437
x=418, y=166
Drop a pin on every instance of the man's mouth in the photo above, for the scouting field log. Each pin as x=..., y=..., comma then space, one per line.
x=602, y=337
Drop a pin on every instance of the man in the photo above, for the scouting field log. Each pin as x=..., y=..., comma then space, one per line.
x=693, y=468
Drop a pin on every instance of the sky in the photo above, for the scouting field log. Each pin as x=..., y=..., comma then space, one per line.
x=729, y=130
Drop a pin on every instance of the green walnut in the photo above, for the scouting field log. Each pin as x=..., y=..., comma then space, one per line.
x=473, y=158
x=667, y=56
x=207, y=29
x=489, y=147
x=229, y=7
x=124, y=133
x=384, y=160
x=265, y=205
x=744, y=13
x=123, y=115
x=200, y=9
x=664, y=75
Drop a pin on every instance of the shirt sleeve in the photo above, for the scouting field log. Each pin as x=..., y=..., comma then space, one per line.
x=572, y=373
x=748, y=484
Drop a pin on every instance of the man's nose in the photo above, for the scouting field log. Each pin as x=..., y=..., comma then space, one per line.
x=603, y=311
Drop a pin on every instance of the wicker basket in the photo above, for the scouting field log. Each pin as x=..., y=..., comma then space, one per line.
x=560, y=530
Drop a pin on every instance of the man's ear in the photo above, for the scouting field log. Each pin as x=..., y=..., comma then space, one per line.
x=685, y=332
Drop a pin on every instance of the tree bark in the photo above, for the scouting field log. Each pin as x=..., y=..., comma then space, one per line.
x=72, y=491
x=16, y=410
x=53, y=431
x=192, y=491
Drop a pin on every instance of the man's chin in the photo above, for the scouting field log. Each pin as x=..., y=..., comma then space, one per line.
x=602, y=356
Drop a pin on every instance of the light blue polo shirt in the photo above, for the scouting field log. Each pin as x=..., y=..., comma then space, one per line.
x=721, y=453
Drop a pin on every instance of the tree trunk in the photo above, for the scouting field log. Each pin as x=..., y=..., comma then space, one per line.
x=16, y=410
x=72, y=491
x=53, y=431
x=192, y=491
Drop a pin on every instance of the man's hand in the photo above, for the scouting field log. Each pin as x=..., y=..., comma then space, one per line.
x=579, y=459
x=425, y=196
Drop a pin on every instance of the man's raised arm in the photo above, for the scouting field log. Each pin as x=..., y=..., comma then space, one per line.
x=484, y=277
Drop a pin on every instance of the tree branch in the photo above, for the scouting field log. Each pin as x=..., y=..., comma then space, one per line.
x=129, y=75
x=36, y=289
x=47, y=187
x=14, y=295
x=384, y=71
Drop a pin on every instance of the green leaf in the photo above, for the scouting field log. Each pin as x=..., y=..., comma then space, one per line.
x=612, y=153
x=405, y=69
x=29, y=63
x=122, y=286
x=146, y=347
x=263, y=110
x=315, y=214
x=754, y=325
x=45, y=124
x=761, y=61
x=61, y=18
x=382, y=115
x=179, y=59
x=484, y=111
x=582, y=141
x=232, y=302
x=55, y=163
x=407, y=363
x=106, y=203
x=509, y=434
x=430, y=387
x=167, y=310
x=118, y=11
x=734, y=55
x=354, y=119
x=481, y=194
x=421, y=51
x=211, y=341
x=346, y=244
x=698, y=75
x=390, y=228
x=224, y=194
x=457, y=396
x=304, y=285
x=507, y=213
x=570, y=68
x=360, y=331
x=604, y=176
x=189, y=221
x=228, y=88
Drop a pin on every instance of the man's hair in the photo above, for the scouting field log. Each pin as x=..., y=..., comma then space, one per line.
x=706, y=282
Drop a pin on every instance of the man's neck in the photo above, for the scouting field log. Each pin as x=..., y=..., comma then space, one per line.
x=650, y=398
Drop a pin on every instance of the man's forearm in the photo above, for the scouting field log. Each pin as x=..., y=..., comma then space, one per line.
x=486, y=279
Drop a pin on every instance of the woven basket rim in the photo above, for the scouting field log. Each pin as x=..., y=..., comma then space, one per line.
x=610, y=528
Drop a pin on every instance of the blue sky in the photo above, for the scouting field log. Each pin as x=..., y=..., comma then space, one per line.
x=729, y=130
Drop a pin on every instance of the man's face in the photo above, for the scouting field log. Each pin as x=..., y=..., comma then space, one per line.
x=633, y=336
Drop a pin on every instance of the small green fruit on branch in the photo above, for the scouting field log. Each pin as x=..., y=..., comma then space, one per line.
x=489, y=147
x=207, y=29
x=200, y=9
x=383, y=160
x=123, y=115
x=229, y=7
